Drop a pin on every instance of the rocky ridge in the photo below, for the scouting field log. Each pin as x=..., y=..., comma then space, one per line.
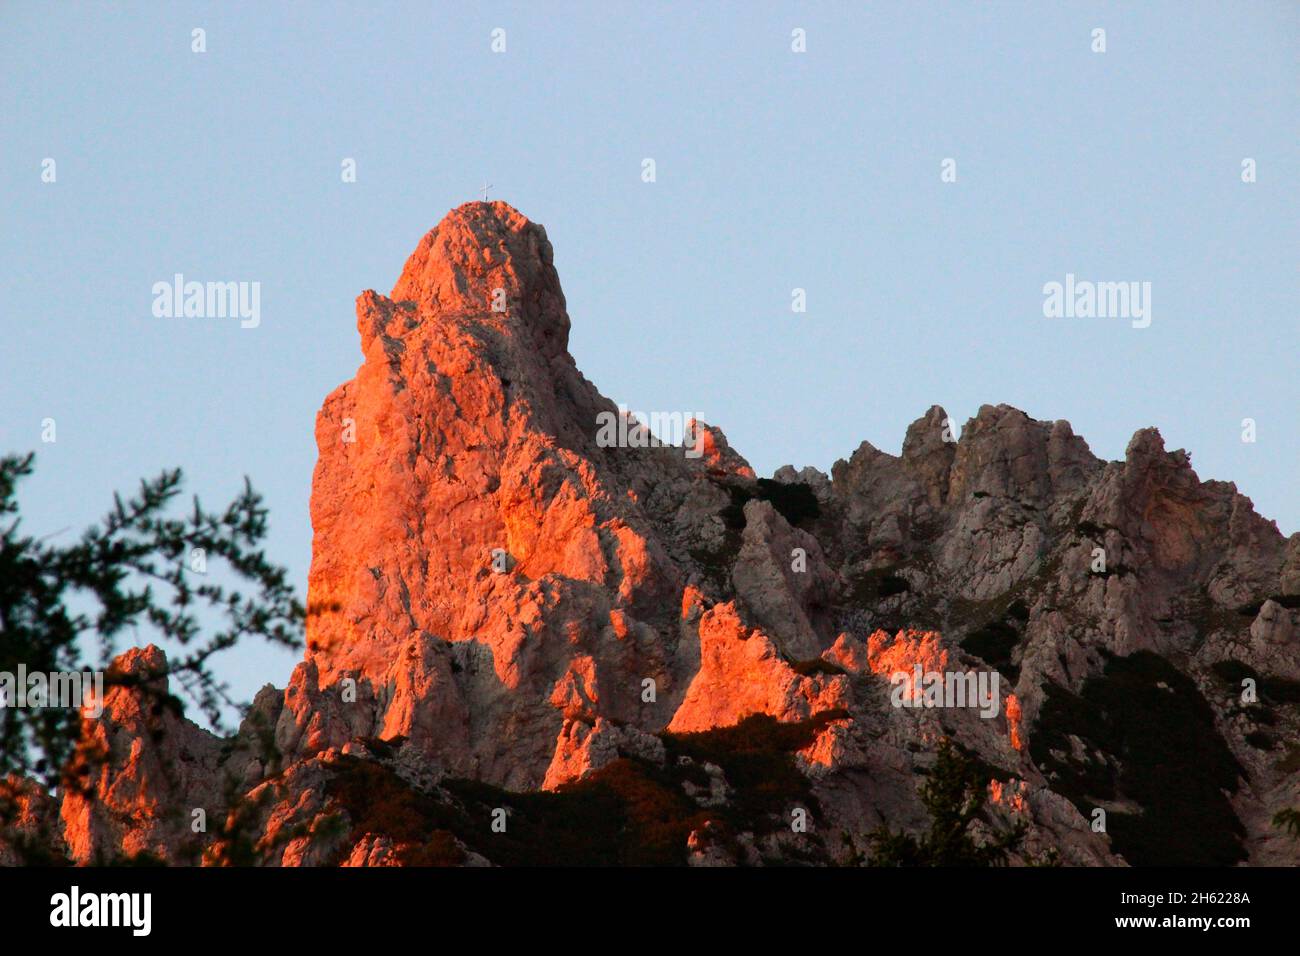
x=518, y=623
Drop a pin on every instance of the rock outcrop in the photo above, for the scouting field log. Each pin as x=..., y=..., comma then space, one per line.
x=507, y=603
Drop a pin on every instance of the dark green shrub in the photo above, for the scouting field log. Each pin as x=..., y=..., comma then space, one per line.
x=955, y=795
x=816, y=665
x=795, y=502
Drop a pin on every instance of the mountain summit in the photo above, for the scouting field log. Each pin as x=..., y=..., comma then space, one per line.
x=704, y=666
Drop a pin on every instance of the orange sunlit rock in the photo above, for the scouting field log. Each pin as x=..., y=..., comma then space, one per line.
x=1009, y=795
x=903, y=652
x=1012, y=708
x=742, y=673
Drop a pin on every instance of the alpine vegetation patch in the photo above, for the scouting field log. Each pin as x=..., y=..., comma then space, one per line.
x=929, y=689
x=208, y=300
x=1085, y=299
x=74, y=908
x=60, y=689
x=626, y=429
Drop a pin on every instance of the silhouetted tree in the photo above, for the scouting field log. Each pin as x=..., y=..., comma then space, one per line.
x=954, y=794
x=142, y=564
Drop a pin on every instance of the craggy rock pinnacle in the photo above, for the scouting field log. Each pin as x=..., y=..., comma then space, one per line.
x=501, y=599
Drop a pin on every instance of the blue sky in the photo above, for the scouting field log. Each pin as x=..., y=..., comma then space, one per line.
x=774, y=171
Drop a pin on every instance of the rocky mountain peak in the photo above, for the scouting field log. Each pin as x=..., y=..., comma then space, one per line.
x=500, y=596
x=488, y=260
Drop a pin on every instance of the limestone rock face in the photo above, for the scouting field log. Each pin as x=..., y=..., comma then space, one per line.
x=141, y=770
x=475, y=547
x=501, y=594
x=756, y=678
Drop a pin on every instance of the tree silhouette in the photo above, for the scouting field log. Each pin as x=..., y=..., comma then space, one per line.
x=954, y=795
x=142, y=565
